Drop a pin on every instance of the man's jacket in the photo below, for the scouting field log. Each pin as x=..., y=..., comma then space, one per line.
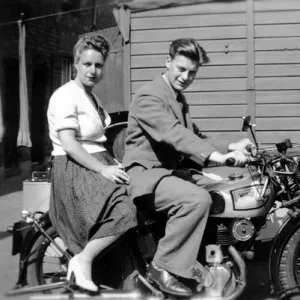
x=160, y=132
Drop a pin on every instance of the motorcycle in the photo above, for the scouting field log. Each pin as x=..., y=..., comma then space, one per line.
x=242, y=200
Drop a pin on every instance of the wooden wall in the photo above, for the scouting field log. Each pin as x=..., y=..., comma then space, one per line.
x=254, y=47
x=277, y=69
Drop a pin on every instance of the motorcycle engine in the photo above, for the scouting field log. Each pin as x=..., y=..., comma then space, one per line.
x=223, y=279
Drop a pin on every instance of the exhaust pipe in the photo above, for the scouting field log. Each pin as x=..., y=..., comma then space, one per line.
x=241, y=282
x=242, y=267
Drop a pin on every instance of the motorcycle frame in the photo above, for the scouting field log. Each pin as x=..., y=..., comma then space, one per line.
x=23, y=243
x=39, y=227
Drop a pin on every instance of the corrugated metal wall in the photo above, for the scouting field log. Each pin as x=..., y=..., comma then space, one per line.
x=223, y=91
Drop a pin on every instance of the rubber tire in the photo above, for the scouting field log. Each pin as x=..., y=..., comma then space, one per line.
x=34, y=274
x=287, y=262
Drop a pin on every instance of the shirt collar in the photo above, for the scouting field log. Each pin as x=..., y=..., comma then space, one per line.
x=175, y=93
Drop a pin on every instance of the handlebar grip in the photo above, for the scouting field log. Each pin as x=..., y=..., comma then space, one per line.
x=230, y=162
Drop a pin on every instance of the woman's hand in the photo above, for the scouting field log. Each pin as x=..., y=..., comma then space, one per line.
x=115, y=173
x=71, y=146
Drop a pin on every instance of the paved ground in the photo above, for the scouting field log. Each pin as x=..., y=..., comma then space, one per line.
x=11, y=205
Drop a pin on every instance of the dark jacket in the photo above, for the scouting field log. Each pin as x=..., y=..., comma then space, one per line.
x=160, y=131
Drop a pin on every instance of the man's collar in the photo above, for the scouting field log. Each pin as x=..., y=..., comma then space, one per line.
x=172, y=98
x=167, y=81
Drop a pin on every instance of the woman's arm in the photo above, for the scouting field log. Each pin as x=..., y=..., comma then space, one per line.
x=74, y=149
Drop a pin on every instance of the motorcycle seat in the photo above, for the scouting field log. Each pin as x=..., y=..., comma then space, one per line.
x=145, y=218
x=149, y=217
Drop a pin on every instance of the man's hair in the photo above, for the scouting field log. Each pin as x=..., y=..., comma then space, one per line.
x=98, y=43
x=189, y=48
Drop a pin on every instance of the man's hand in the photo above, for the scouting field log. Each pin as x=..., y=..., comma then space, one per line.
x=238, y=156
x=241, y=146
x=240, y=159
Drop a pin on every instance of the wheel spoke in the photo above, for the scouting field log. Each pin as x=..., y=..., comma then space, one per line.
x=47, y=264
x=57, y=275
x=53, y=249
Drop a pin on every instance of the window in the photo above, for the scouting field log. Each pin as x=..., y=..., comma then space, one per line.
x=66, y=70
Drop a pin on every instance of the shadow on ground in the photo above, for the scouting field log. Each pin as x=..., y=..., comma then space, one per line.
x=4, y=234
x=12, y=184
x=258, y=280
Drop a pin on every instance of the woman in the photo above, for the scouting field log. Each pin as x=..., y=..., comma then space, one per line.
x=89, y=206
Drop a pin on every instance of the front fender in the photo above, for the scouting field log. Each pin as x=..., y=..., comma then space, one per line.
x=19, y=232
x=283, y=235
x=32, y=234
x=24, y=237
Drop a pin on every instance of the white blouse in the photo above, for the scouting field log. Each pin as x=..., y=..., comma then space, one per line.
x=71, y=108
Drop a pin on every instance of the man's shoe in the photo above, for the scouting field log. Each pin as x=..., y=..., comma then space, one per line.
x=167, y=282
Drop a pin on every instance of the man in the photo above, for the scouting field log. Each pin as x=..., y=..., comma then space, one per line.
x=160, y=133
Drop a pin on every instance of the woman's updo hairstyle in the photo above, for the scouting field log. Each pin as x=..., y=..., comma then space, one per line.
x=97, y=42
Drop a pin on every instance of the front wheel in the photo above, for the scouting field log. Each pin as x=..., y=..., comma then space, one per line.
x=47, y=264
x=289, y=266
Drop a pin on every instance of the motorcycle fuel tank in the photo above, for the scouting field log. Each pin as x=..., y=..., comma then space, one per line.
x=239, y=193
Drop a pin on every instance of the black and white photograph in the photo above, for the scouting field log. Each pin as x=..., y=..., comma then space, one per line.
x=150, y=149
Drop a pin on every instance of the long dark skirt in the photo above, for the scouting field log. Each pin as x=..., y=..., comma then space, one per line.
x=85, y=205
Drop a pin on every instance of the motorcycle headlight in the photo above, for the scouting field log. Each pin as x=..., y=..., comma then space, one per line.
x=246, y=198
x=218, y=203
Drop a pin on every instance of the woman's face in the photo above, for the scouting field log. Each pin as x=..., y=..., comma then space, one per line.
x=89, y=68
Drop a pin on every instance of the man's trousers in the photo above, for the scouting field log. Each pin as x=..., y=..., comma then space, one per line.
x=187, y=207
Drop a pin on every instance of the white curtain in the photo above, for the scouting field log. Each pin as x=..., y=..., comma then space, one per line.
x=23, y=134
x=1, y=119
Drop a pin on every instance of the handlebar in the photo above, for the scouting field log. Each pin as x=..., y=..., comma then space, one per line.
x=261, y=157
x=252, y=151
x=230, y=162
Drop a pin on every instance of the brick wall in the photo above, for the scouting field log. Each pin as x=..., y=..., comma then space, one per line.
x=47, y=41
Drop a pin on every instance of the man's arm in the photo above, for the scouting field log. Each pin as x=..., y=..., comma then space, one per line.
x=198, y=133
x=162, y=126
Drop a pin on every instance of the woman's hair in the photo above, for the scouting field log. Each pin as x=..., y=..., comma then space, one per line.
x=97, y=43
x=188, y=47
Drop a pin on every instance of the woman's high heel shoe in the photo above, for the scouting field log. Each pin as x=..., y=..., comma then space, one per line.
x=74, y=271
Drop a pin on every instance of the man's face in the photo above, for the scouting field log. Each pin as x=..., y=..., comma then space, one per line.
x=181, y=71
